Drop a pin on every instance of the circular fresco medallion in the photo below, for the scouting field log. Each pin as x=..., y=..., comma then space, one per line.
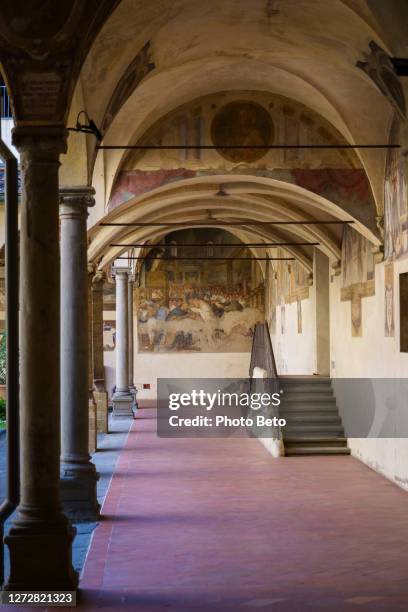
x=242, y=123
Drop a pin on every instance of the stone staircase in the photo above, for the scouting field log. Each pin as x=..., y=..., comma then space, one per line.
x=313, y=423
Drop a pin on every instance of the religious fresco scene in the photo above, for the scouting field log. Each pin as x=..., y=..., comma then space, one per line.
x=389, y=300
x=395, y=199
x=205, y=305
x=109, y=324
x=357, y=263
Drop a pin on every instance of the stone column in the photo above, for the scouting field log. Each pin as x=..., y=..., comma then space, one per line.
x=40, y=539
x=132, y=388
x=98, y=368
x=78, y=473
x=122, y=398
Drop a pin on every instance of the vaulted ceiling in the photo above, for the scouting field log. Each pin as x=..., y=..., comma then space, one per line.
x=306, y=50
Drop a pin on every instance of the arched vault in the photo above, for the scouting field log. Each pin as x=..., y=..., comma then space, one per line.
x=305, y=50
x=194, y=202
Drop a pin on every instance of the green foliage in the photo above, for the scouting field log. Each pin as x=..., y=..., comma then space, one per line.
x=3, y=359
x=2, y=409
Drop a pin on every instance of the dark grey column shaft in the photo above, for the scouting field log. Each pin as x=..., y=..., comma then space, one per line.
x=78, y=474
x=40, y=538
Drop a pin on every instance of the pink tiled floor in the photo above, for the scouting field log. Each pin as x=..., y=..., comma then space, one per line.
x=220, y=525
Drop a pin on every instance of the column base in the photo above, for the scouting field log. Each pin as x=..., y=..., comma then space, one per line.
x=122, y=404
x=41, y=556
x=78, y=488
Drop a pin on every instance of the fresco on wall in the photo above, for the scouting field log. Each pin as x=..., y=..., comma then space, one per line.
x=109, y=324
x=357, y=264
x=292, y=279
x=109, y=336
x=140, y=66
x=283, y=319
x=206, y=305
x=242, y=123
x=299, y=316
x=270, y=296
x=395, y=200
x=379, y=67
x=288, y=282
x=389, y=300
x=357, y=258
x=249, y=118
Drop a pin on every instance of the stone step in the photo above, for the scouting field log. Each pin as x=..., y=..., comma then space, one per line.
x=314, y=426
x=315, y=429
x=306, y=398
x=308, y=409
x=304, y=384
x=306, y=395
x=314, y=441
x=318, y=380
x=302, y=387
x=320, y=418
x=316, y=450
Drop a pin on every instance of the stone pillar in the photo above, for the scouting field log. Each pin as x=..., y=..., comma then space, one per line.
x=98, y=369
x=78, y=473
x=122, y=399
x=132, y=388
x=40, y=539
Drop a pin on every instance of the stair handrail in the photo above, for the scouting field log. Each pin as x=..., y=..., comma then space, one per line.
x=262, y=356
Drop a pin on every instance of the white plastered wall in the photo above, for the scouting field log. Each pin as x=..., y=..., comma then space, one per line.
x=371, y=356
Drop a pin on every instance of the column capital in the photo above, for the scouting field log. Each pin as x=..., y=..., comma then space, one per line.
x=119, y=270
x=42, y=143
x=74, y=201
x=91, y=268
x=98, y=279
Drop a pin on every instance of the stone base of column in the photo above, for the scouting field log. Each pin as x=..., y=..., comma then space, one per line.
x=79, y=492
x=122, y=404
x=101, y=399
x=92, y=427
x=40, y=557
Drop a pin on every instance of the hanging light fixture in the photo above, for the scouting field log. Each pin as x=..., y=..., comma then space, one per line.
x=221, y=193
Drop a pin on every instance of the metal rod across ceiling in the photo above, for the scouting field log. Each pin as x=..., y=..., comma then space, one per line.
x=216, y=223
x=234, y=147
x=210, y=258
x=255, y=245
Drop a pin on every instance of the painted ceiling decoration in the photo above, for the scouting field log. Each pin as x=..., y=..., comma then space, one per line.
x=132, y=65
x=247, y=118
x=141, y=65
x=242, y=123
x=379, y=67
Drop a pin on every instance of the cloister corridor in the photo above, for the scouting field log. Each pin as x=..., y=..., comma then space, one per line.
x=203, y=205
x=193, y=524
